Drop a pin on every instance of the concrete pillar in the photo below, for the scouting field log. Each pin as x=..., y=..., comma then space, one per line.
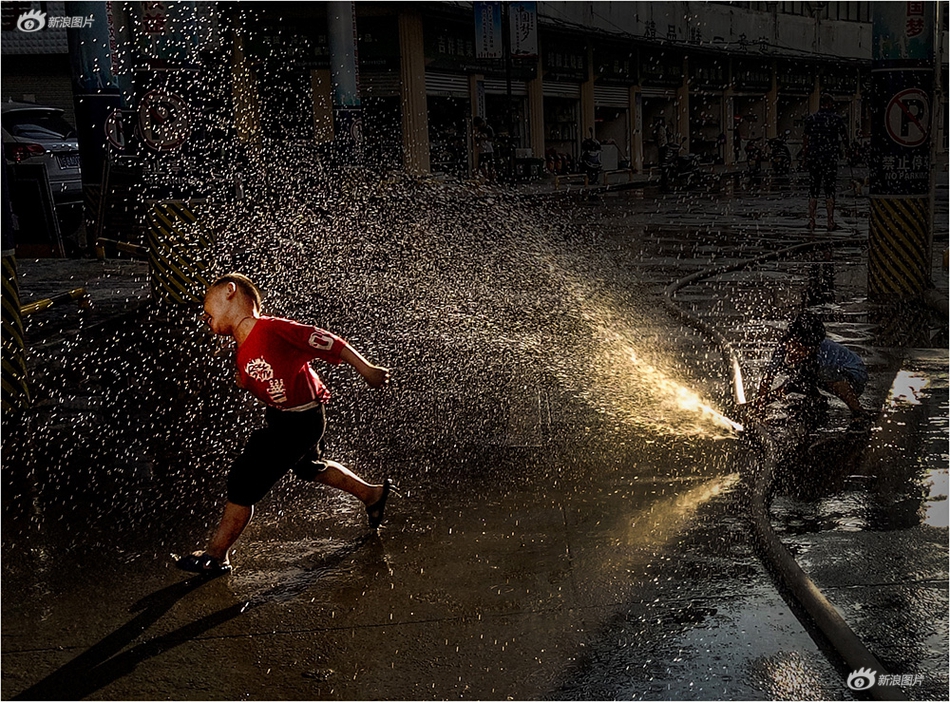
x=320, y=85
x=814, y=100
x=412, y=72
x=682, y=109
x=771, y=107
x=476, y=94
x=636, y=128
x=536, y=112
x=728, y=123
x=587, y=97
x=247, y=104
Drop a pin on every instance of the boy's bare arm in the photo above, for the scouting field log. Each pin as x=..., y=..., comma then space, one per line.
x=845, y=392
x=375, y=376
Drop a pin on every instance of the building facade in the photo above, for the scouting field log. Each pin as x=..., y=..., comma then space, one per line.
x=713, y=75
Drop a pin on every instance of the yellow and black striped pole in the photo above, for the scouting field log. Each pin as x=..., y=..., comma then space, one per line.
x=179, y=248
x=16, y=394
x=899, y=246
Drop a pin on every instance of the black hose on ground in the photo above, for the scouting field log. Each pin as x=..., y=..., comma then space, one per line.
x=781, y=562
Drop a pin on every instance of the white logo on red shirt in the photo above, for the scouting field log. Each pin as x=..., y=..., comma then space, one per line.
x=259, y=369
x=320, y=340
x=275, y=389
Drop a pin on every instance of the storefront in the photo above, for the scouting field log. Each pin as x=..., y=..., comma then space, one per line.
x=708, y=78
x=450, y=59
x=380, y=89
x=796, y=85
x=292, y=74
x=661, y=77
x=508, y=115
x=615, y=71
x=565, y=69
x=841, y=82
x=449, y=110
x=751, y=81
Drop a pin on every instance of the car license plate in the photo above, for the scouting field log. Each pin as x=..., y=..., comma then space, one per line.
x=68, y=160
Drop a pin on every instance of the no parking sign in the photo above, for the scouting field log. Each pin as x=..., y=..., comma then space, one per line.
x=902, y=119
x=907, y=117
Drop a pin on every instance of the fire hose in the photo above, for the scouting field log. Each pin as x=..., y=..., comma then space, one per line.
x=781, y=562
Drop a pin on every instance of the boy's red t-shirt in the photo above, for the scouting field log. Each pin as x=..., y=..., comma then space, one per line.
x=273, y=363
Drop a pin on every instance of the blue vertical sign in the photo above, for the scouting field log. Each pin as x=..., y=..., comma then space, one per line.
x=96, y=89
x=523, y=21
x=488, y=44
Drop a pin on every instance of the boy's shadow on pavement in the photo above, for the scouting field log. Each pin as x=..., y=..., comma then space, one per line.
x=103, y=663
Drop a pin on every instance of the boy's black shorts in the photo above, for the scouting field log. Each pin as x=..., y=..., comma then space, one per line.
x=822, y=176
x=289, y=440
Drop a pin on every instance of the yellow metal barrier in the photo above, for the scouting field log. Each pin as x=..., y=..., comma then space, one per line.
x=46, y=303
x=133, y=249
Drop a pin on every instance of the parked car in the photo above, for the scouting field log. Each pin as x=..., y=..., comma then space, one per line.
x=39, y=134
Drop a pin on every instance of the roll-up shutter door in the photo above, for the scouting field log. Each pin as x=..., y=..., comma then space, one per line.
x=612, y=96
x=448, y=84
x=500, y=87
x=562, y=90
x=386, y=84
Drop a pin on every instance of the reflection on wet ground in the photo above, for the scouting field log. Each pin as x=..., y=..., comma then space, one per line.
x=567, y=530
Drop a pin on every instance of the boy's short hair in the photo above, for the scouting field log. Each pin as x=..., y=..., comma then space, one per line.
x=243, y=283
x=807, y=329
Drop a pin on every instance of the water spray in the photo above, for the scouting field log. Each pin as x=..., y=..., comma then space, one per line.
x=685, y=398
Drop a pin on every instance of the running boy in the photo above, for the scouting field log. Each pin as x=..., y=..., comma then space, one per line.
x=813, y=362
x=273, y=363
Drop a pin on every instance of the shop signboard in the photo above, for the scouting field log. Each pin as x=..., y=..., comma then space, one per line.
x=562, y=61
x=488, y=39
x=661, y=70
x=901, y=118
x=708, y=73
x=614, y=64
x=795, y=79
x=305, y=47
x=523, y=26
x=378, y=43
x=839, y=80
x=451, y=47
x=752, y=76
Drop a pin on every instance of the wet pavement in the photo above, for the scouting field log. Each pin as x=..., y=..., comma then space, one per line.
x=565, y=530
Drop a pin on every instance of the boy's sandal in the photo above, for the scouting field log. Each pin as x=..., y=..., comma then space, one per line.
x=375, y=510
x=203, y=563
